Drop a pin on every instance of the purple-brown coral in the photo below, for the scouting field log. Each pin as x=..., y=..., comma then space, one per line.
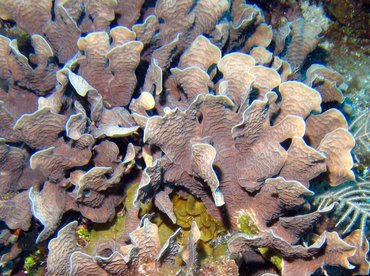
x=178, y=98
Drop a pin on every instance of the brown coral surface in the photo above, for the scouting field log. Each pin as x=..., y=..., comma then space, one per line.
x=123, y=109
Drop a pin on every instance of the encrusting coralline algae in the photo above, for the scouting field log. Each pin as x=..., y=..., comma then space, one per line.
x=196, y=124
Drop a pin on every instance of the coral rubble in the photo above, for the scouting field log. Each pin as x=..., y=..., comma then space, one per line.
x=186, y=129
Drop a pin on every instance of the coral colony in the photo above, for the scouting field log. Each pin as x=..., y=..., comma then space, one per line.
x=175, y=137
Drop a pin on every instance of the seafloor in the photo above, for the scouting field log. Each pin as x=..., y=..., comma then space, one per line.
x=184, y=137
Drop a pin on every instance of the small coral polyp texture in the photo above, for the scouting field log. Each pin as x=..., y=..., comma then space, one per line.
x=108, y=105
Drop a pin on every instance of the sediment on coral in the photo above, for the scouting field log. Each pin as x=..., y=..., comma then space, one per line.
x=183, y=129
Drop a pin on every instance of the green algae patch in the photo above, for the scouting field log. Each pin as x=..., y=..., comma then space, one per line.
x=246, y=223
x=145, y=208
x=33, y=264
x=116, y=228
x=187, y=210
x=194, y=207
x=165, y=227
x=111, y=230
x=191, y=209
x=130, y=195
x=29, y=264
x=273, y=258
x=83, y=235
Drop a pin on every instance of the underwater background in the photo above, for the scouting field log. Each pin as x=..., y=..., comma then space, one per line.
x=184, y=137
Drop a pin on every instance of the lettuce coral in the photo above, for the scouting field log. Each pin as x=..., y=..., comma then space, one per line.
x=182, y=108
